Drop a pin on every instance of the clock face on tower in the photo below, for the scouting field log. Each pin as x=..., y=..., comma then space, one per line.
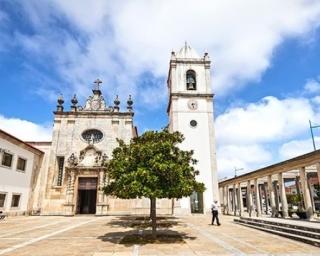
x=192, y=104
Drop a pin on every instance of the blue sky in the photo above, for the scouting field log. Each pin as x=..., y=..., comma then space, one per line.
x=265, y=66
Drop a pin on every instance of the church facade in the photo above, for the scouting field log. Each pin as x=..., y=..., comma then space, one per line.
x=72, y=172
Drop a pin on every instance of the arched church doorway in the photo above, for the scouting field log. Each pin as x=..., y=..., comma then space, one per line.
x=87, y=195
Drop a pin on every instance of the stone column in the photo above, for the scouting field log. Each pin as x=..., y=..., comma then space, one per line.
x=225, y=200
x=234, y=200
x=260, y=196
x=240, y=201
x=283, y=196
x=249, y=198
x=318, y=171
x=272, y=196
x=258, y=202
x=265, y=197
x=298, y=188
x=221, y=195
x=228, y=201
x=306, y=192
x=276, y=196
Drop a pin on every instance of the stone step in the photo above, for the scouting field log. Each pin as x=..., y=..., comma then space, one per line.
x=283, y=224
x=304, y=239
x=290, y=230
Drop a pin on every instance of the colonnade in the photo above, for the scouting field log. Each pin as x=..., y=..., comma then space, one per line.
x=263, y=192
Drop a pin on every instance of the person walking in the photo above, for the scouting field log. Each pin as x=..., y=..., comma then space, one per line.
x=215, y=212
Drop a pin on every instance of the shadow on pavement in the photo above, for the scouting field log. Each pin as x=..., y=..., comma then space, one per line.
x=140, y=232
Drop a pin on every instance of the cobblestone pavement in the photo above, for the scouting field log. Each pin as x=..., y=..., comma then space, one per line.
x=101, y=236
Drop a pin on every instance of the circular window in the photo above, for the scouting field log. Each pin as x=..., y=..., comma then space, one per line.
x=92, y=136
x=193, y=123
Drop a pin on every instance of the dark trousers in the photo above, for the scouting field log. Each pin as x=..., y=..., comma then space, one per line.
x=215, y=215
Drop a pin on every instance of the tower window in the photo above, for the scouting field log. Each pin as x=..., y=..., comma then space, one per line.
x=191, y=80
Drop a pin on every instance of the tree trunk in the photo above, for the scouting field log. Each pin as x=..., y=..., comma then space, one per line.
x=172, y=206
x=153, y=217
x=150, y=216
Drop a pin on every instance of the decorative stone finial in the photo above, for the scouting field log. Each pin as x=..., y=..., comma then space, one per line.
x=74, y=102
x=116, y=104
x=60, y=103
x=72, y=160
x=130, y=103
x=104, y=159
x=173, y=55
x=206, y=55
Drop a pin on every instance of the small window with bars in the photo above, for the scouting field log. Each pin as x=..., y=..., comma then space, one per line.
x=60, y=160
x=7, y=159
x=21, y=164
x=15, y=200
x=2, y=199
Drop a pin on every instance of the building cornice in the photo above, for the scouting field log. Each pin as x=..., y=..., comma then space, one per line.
x=91, y=113
x=188, y=95
x=193, y=61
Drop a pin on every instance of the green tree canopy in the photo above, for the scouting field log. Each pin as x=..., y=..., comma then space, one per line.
x=152, y=166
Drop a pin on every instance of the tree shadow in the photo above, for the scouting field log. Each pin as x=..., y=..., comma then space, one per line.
x=141, y=233
x=129, y=238
x=143, y=222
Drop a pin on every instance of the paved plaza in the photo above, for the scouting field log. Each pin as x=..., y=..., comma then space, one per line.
x=104, y=236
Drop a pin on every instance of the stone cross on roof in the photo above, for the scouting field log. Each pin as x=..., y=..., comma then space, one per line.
x=98, y=82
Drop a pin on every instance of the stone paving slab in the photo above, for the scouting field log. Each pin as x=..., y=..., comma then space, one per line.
x=101, y=236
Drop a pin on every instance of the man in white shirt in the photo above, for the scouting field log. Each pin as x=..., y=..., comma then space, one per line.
x=215, y=212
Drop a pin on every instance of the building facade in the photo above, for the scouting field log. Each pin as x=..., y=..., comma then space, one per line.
x=73, y=169
x=19, y=169
x=190, y=111
x=71, y=173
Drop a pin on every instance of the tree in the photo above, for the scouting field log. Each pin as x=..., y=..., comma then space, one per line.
x=152, y=166
x=317, y=190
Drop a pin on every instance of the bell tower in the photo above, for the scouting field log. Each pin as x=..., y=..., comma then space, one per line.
x=190, y=111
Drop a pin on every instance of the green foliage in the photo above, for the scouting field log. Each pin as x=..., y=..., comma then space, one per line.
x=294, y=199
x=152, y=166
x=317, y=190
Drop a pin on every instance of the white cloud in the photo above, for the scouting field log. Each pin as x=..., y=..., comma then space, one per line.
x=296, y=147
x=269, y=120
x=312, y=86
x=25, y=130
x=119, y=40
x=245, y=157
x=251, y=136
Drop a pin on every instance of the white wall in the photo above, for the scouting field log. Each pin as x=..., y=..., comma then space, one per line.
x=200, y=139
x=13, y=180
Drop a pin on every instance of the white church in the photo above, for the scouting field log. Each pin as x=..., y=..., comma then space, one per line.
x=66, y=175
